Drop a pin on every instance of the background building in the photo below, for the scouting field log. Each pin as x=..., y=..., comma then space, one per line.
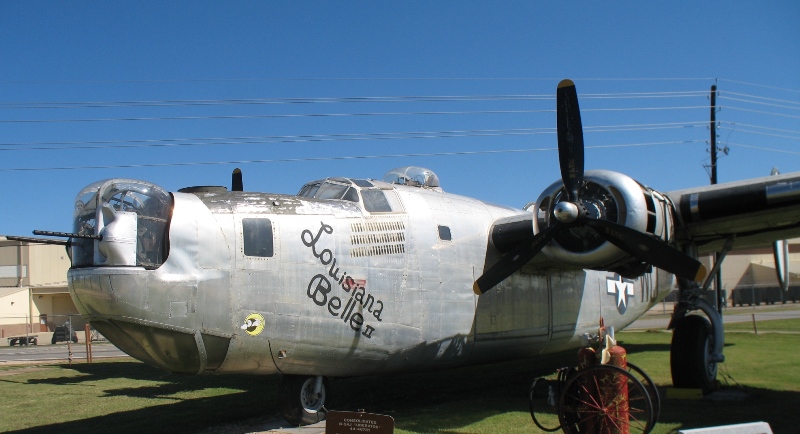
x=34, y=297
x=749, y=276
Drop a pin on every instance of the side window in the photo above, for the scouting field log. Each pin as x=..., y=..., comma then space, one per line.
x=309, y=190
x=351, y=195
x=257, y=236
x=444, y=233
x=381, y=201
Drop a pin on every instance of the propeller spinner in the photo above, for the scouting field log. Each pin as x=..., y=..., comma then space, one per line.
x=573, y=211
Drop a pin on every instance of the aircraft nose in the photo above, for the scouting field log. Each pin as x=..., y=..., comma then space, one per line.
x=120, y=313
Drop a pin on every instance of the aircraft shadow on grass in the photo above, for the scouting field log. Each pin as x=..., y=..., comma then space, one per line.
x=443, y=400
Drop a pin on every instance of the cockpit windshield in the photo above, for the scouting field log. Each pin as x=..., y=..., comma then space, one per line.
x=331, y=188
x=373, y=198
x=131, y=217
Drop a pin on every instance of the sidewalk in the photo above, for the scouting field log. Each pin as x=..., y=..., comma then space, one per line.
x=659, y=315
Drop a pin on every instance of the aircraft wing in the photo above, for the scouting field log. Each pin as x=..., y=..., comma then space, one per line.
x=757, y=212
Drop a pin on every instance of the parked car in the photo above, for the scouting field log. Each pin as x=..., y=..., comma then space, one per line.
x=61, y=334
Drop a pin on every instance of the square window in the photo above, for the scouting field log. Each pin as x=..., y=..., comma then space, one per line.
x=444, y=233
x=257, y=237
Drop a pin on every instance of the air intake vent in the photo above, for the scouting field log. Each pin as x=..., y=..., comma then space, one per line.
x=378, y=238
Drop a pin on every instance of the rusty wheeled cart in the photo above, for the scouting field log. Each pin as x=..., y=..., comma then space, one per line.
x=596, y=399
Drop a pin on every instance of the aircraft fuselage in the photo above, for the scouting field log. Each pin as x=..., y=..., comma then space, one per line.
x=263, y=283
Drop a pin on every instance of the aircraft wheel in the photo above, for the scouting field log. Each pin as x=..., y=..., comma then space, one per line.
x=690, y=354
x=299, y=404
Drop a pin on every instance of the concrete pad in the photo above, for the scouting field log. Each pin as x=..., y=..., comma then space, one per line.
x=742, y=428
x=278, y=428
x=679, y=393
x=723, y=395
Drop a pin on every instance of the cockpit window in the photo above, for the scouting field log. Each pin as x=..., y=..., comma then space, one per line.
x=85, y=223
x=331, y=191
x=309, y=190
x=378, y=201
x=340, y=189
x=363, y=183
x=351, y=195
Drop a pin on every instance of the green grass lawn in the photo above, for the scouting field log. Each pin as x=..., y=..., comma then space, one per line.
x=127, y=396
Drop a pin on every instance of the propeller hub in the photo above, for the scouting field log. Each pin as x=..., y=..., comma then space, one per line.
x=566, y=212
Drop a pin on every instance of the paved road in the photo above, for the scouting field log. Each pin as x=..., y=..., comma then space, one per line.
x=41, y=353
x=656, y=318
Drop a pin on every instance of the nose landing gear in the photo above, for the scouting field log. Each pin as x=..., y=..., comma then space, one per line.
x=302, y=399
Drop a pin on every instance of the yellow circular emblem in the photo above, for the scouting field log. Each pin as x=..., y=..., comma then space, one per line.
x=253, y=324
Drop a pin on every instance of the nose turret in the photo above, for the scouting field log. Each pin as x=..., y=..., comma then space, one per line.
x=130, y=218
x=123, y=284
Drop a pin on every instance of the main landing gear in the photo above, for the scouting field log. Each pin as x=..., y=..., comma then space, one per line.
x=302, y=399
x=696, y=342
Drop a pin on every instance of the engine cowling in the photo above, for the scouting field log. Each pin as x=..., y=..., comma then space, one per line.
x=610, y=196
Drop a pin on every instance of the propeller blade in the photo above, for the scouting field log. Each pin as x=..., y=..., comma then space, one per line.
x=236, y=180
x=513, y=261
x=649, y=249
x=570, y=138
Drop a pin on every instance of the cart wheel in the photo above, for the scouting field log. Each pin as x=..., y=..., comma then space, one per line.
x=543, y=404
x=589, y=402
x=651, y=388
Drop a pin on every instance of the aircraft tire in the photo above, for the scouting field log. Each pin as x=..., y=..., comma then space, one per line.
x=690, y=355
x=298, y=403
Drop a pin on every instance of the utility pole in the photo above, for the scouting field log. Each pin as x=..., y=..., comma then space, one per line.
x=713, y=150
x=713, y=125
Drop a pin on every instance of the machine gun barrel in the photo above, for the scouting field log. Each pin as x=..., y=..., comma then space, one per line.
x=67, y=235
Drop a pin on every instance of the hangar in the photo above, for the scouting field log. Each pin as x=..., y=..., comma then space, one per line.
x=749, y=276
x=34, y=296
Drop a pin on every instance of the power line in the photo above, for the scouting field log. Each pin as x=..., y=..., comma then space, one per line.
x=761, y=148
x=334, y=115
x=333, y=100
x=744, y=95
x=759, y=112
x=303, y=79
x=783, y=89
x=761, y=103
x=736, y=124
x=355, y=157
x=761, y=133
x=184, y=142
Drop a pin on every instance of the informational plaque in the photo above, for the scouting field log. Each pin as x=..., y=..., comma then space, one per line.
x=352, y=422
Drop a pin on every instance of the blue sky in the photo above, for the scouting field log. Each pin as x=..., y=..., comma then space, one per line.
x=181, y=93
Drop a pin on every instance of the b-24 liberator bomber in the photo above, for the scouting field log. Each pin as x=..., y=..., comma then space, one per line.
x=356, y=276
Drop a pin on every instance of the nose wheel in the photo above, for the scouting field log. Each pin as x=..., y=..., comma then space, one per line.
x=302, y=399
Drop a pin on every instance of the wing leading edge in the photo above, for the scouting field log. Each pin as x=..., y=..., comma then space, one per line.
x=756, y=211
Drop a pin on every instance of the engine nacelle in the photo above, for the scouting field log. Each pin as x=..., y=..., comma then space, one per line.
x=611, y=196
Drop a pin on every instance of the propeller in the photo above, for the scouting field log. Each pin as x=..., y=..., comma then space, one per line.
x=570, y=138
x=572, y=211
